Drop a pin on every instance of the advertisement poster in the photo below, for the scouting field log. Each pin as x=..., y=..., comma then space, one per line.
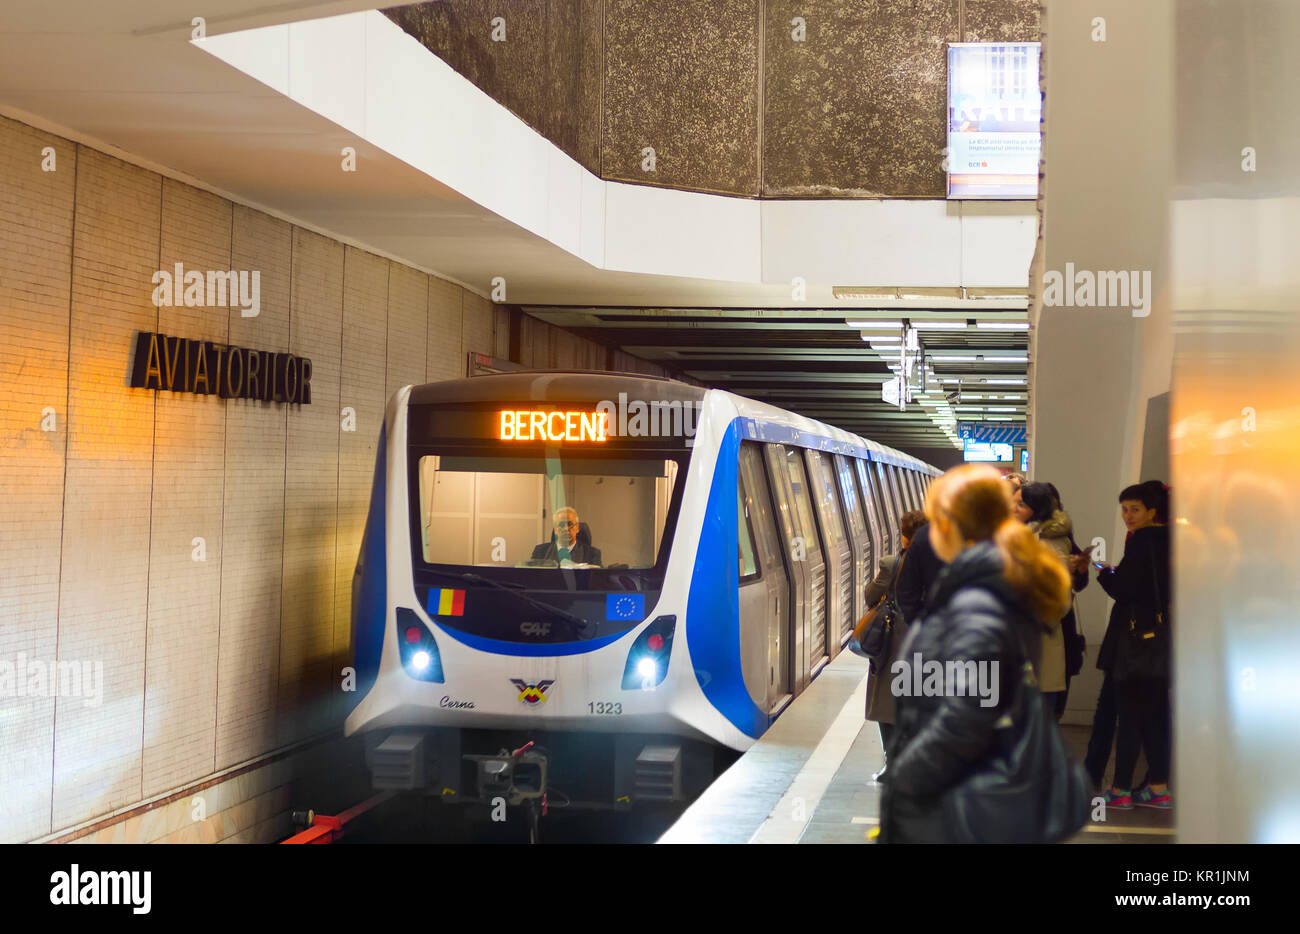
x=995, y=110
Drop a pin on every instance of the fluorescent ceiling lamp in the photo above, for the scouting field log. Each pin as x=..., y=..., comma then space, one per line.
x=1000, y=293
x=1003, y=325
x=893, y=292
x=987, y=359
x=1001, y=408
x=879, y=325
x=1005, y=382
x=997, y=418
x=882, y=338
x=939, y=325
x=969, y=358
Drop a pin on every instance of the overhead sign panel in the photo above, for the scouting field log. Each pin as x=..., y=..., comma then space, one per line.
x=985, y=433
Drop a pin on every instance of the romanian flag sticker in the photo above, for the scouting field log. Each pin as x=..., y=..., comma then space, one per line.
x=446, y=602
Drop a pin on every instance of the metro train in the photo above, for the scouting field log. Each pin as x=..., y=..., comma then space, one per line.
x=594, y=590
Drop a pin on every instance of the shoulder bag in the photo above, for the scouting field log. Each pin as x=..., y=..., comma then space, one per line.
x=1143, y=650
x=874, y=632
x=1029, y=789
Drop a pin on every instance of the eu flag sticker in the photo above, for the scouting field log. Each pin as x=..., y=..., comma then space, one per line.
x=625, y=606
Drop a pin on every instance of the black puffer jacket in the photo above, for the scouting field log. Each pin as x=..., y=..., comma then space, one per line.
x=940, y=740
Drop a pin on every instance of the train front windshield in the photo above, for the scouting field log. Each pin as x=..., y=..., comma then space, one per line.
x=561, y=510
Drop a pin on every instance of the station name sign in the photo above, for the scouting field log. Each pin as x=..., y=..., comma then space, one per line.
x=177, y=364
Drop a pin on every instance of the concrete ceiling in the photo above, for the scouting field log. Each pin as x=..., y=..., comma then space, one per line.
x=124, y=77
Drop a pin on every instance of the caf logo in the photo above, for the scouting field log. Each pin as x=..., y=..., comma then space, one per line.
x=532, y=694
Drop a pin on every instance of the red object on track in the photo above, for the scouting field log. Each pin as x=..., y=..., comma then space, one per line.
x=326, y=828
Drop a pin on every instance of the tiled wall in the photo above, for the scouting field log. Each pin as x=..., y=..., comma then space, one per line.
x=201, y=550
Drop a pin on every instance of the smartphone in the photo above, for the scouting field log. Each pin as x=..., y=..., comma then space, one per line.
x=1099, y=566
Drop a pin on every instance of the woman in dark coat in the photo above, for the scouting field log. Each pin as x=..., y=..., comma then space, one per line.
x=1140, y=588
x=989, y=607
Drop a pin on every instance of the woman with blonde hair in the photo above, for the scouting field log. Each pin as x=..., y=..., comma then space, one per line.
x=974, y=759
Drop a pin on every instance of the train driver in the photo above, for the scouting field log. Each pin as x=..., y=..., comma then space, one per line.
x=571, y=541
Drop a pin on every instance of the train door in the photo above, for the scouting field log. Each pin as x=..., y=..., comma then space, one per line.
x=873, y=511
x=836, y=548
x=813, y=557
x=765, y=598
x=890, y=503
x=803, y=562
x=864, y=565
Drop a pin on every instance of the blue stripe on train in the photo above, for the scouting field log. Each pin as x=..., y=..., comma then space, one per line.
x=713, y=605
x=370, y=592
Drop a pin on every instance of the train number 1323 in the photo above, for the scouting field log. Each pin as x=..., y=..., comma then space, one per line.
x=605, y=707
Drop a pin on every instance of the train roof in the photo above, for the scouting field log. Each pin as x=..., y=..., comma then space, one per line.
x=555, y=386
x=571, y=385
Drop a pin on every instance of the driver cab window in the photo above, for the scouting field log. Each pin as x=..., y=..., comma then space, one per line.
x=535, y=512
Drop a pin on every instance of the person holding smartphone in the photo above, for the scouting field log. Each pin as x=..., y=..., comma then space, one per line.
x=1139, y=702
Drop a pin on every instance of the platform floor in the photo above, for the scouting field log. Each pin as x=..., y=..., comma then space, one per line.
x=808, y=780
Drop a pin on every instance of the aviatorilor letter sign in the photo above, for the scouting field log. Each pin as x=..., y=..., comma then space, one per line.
x=177, y=364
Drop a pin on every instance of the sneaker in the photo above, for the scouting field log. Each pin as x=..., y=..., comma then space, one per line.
x=1120, y=802
x=1146, y=798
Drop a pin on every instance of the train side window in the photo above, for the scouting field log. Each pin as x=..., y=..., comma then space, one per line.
x=875, y=509
x=895, y=484
x=849, y=495
x=749, y=567
x=909, y=487
x=802, y=501
x=821, y=482
x=890, y=504
x=905, y=488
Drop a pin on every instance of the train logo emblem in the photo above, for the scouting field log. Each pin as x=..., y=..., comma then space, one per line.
x=532, y=694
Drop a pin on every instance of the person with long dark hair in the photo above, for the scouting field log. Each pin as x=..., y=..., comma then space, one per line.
x=1034, y=507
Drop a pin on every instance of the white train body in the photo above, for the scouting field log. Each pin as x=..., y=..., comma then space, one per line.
x=736, y=547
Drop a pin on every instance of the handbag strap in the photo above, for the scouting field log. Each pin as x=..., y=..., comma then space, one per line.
x=1155, y=580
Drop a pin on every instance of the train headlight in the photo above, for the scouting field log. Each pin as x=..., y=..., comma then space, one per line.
x=417, y=648
x=647, y=660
